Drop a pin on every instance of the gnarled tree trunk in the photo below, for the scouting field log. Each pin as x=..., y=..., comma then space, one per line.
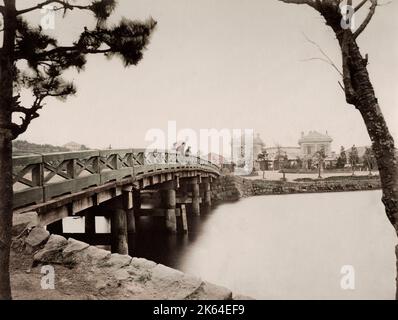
x=359, y=92
x=364, y=99
x=6, y=100
x=382, y=141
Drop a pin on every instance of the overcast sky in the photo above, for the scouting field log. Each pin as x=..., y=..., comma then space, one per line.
x=221, y=64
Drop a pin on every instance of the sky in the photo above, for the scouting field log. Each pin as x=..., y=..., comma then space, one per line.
x=220, y=64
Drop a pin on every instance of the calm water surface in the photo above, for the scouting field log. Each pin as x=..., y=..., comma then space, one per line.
x=284, y=247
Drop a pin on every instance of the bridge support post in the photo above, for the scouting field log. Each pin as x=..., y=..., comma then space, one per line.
x=89, y=224
x=195, y=197
x=169, y=204
x=119, y=232
x=206, y=199
x=182, y=222
x=128, y=206
x=136, y=205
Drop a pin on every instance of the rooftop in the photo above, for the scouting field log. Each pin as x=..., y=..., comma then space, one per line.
x=314, y=136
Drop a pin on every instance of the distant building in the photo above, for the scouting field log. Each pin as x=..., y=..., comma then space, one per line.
x=304, y=154
x=73, y=146
x=282, y=156
x=314, y=142
x=244, y=152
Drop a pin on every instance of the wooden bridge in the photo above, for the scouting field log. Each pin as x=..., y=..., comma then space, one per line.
x=114, y=184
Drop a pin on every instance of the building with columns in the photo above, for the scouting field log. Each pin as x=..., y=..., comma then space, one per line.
x=314, y=142
x=303, y=155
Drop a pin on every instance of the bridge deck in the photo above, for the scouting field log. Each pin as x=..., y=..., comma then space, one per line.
x=48, y=179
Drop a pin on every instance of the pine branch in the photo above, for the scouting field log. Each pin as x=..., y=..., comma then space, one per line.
x=126, y=40
x=65, y=5
x=312, y=3
x=47, y=60
x=29, y=114
x=102, y=9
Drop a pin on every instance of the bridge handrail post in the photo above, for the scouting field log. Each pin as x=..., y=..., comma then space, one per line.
x=38, y=174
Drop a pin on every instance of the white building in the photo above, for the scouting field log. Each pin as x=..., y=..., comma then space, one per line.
x=314, y=142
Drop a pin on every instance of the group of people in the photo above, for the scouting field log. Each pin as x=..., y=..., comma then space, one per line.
x=180, y=149
x=182, y=152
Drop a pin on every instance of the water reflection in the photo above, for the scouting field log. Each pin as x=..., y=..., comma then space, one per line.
x=154, y=243
x=290, y=246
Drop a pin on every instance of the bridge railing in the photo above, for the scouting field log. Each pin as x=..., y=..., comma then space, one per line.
x=39, y=178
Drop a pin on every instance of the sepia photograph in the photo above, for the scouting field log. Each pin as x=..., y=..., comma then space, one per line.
x=224, y=151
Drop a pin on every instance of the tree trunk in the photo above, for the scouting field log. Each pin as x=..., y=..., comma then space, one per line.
x=360, y=93
x=382, y=142
x=6, y=102
x=6, y=195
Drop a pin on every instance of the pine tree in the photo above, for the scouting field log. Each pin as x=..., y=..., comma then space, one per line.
x=45, y=62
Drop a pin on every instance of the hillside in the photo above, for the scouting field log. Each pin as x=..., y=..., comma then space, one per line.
x=24, y=147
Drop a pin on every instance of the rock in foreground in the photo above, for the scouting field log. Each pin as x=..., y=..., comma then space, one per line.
x=117, y=276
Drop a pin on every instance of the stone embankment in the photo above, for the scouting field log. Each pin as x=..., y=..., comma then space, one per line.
x=88, y=272
x=232, y=188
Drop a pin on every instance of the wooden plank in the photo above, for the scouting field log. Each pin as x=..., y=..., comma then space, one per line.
x=154, y=212
x=116, y=175
x=65, y=199
x=182, y=200
x=26, y=160
x=35, y=197
x=70, y=186
x=106, y=153
x=48, y=217
x=61, y=156
x=28, y=196
x=82, y=204
x=138, y=150
x=106, y=195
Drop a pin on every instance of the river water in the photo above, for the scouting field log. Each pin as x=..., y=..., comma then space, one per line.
x=284, y=246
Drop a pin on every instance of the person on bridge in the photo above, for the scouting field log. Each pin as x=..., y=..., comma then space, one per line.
x=181, y=152
x=188, y=154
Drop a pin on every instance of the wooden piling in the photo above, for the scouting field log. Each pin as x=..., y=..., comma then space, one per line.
x=182, y=222
x=207, y=194
x=169, y=204
x=119, y=232
x=128, y=206
x=195, y=199
x=89, y=226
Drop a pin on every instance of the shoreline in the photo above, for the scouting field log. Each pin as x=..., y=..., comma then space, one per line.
x=233, y=188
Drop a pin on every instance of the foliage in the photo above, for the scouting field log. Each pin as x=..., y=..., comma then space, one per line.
x=47, y=60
